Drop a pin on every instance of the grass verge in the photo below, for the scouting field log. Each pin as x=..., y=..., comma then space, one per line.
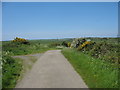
x=96, y=73
x=11, y=71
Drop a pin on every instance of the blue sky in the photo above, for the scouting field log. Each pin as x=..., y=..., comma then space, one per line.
x=47, y=20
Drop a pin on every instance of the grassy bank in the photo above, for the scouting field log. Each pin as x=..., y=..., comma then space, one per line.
x=96, y=73
x=11, y=71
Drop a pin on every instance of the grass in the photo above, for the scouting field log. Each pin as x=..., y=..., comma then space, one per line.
x=96, y=73
x=0, y=66
x=11, y=71
x=36, y=46
x=25, y=49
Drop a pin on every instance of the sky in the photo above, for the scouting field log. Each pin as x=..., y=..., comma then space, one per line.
x=55, y=20
x=0, y=21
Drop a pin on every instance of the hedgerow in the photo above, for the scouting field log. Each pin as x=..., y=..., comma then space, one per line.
x=102, y=50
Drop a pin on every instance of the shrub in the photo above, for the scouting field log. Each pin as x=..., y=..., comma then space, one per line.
x=104, y=49
x=64, y=44
x=77, y=42
x=69, y=44
x=85, y=45
x=20, y=41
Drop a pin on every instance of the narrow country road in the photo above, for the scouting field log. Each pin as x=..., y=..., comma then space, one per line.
x=52, y=70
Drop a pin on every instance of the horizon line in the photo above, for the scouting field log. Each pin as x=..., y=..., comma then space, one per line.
x=70, y=38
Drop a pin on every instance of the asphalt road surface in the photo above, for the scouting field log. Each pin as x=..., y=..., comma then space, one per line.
x=52, y=70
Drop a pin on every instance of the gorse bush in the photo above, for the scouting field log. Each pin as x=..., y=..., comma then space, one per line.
x=77, y=42
x=69, y=44
x=20, y=40
x=102, y=50
x=86, y=44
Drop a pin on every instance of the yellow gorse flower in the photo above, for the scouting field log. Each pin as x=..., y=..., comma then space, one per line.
x=19, y=40
x=84, y=44
x=69, y=44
